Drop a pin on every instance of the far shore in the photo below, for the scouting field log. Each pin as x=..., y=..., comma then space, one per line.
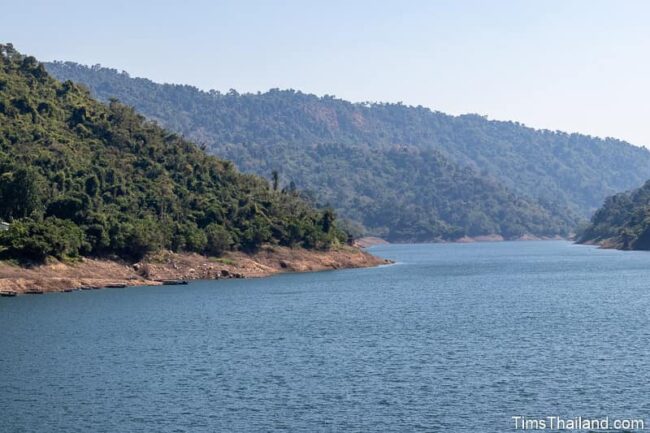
x=370, y=241
x=171, y=268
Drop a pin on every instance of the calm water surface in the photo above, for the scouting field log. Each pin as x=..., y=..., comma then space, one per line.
x=453, y=338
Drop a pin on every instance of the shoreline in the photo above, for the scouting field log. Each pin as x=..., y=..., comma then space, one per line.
x=371, y=241
x=170, y=268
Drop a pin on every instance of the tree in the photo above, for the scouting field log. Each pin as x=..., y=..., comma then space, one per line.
x=276, y=179
x=29, y=239
x=256, y=233
x=218, y=240
x=21, y=189
x=327, y=220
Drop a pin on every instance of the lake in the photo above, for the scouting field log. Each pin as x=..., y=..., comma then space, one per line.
x=452, y=338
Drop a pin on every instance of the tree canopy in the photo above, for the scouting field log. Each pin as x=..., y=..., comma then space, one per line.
x=79, y=177
x=622, y=222
x=403, y=173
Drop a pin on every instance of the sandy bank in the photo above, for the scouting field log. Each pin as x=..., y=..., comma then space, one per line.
x=369, y=241
x=92, y=273
x=499, y=238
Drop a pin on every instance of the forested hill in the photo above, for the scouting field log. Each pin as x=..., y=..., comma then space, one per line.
x=405, y=173
x=79, y=177
x=623, y=222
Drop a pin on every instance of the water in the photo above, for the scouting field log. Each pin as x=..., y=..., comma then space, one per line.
x=453, y=338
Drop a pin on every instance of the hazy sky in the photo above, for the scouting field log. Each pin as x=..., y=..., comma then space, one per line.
x=571, y=65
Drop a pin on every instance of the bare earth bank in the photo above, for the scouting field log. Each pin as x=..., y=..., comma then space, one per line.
x=370, y=241
x=154, y=270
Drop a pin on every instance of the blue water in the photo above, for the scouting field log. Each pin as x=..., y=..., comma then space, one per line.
x=453, y=338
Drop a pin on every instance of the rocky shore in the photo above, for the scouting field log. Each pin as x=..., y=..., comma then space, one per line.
x=170, y=268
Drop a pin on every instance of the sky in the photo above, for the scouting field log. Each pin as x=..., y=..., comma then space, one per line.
x=570, y=65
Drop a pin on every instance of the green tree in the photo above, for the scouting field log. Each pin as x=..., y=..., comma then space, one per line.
x=219, y=240
x=21, y=190
x=28, y=239
x=276, y=179
x=327, y=220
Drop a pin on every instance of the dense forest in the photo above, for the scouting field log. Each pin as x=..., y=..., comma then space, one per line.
x=79, y=177
x=623, y=222
x=404, y=173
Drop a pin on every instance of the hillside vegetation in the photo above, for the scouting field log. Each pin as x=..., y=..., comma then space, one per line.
x=78, y=177
x=404, y=173
x=623, y=222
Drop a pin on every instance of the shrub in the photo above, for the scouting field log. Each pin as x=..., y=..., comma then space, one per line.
x=219, y=240
x=27, y=239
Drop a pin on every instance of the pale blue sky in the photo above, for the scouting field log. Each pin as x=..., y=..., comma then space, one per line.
x=560, y=64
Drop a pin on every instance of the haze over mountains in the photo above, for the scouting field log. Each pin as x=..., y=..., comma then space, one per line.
x=403, y=173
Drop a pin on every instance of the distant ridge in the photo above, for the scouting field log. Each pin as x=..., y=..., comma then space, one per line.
x=398, y=172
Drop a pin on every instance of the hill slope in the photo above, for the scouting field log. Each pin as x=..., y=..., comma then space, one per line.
x=623, y=222
x=81, y=177
x=406, y=173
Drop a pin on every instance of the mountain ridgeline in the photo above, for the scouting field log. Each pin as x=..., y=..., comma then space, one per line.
x=403, y=173
x=79, y=177
x=623, y=222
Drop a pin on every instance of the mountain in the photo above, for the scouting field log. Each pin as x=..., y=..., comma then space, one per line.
x=403, y=173
x=79, y=177
x=623, y=222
